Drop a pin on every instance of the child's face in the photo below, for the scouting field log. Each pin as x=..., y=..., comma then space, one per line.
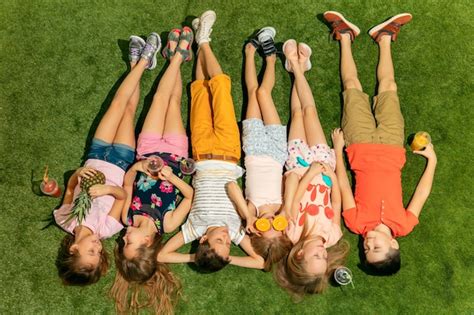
x=377, y=245
x=133, y=239
x=315, y=256
x=89, y=249
x=219, y=240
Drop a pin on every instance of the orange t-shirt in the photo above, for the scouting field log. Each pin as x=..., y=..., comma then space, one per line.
x=378, y=189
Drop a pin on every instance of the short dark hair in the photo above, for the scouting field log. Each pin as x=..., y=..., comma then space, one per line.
x=208, y=260
x=71, y=272
x=389, y=266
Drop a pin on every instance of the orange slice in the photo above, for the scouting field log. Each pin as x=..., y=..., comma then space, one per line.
x=262, y=224
x=280, y=223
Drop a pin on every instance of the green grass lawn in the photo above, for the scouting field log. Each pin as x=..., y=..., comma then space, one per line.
x=61, y=61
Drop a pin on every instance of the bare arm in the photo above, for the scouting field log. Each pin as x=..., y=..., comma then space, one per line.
x=423, y=189
x=176, y=217
x=348, y=201
x=71, y=184
x=168, y=253
x=291, y=185
x=335, y=194
x=237, y=197
x=253, y=260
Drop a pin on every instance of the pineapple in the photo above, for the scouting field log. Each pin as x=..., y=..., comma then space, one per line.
x=82, y=204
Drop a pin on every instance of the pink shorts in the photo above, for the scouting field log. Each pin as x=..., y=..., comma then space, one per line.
x=316, y=153
x=152, y=142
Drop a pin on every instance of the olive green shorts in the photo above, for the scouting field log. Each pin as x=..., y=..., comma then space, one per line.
x=384, y=125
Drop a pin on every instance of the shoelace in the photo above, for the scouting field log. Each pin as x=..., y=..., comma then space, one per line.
x=149, y=48
x=135, y=51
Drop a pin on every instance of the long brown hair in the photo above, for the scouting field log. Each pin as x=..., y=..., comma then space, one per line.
x=292, y=275
x=71, y=271
x=143, y=282
x=271, y=249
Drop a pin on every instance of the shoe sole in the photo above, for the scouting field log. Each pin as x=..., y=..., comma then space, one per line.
x=208, y=13
x=308, y=62
x=269, y=29
x=352, y=26
x=137, y=38
x=195, y=24
x=153, y=59
x=287, y=64
x=377, y=28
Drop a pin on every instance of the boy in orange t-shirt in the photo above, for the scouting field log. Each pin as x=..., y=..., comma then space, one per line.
x=375, y=150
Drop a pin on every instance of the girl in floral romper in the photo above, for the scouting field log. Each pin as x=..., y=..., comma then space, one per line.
x=152, y=207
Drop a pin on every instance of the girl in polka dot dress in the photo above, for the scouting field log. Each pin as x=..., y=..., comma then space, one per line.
x=312, y=195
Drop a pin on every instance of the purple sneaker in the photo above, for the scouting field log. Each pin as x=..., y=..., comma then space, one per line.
x=152, y=46
x=135, y=48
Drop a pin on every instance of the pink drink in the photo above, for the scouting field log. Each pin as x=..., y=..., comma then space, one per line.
x=50, y=188
x=155, y=164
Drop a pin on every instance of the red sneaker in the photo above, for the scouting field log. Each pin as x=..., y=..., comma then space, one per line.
x=390, y=27
x=339, y=25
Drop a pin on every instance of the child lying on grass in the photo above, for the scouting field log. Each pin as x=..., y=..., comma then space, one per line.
x=213, y=218
x=82, y=260
x=375, y=151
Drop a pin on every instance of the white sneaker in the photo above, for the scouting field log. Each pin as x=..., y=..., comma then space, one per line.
x=204, y=29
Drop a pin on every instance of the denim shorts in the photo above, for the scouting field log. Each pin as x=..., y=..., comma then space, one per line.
x=118, y=154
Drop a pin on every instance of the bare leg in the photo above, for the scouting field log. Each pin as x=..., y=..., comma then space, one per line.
x=155, y=119
x=126, y=131
x=264, y=94
x=199, y=72
x=108, y=126
x=385, y=72
x=312, y=125
x=348, y=66
x=297, y=124
x=253, y=109
x=212, y=67
x=174, y=122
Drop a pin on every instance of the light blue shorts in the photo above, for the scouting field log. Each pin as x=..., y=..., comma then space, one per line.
x=260, y=139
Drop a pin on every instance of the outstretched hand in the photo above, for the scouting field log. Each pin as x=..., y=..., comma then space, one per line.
x=428, y=152
x=337, y=136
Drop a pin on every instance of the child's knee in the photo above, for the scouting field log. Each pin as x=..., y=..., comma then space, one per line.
x=387, y=85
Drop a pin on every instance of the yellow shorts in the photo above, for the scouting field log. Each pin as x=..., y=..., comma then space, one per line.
x=214, y=130
x=360, y=125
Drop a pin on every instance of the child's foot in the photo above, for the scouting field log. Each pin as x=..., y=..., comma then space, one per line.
x=339, y=25
x=391, y=27
x=291, y=53
x=135, y=48
x=185, y=42
x=250, y=48
x=304, y=56
x=173, y=39
x=153, y=45
x=204, y=28
x=266, y=38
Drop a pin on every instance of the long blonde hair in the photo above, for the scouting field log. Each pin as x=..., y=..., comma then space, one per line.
x=292, y=275
x=271, y=249
x=143, y=282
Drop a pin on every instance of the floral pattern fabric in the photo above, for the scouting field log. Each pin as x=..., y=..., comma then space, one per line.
x=152, y=197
